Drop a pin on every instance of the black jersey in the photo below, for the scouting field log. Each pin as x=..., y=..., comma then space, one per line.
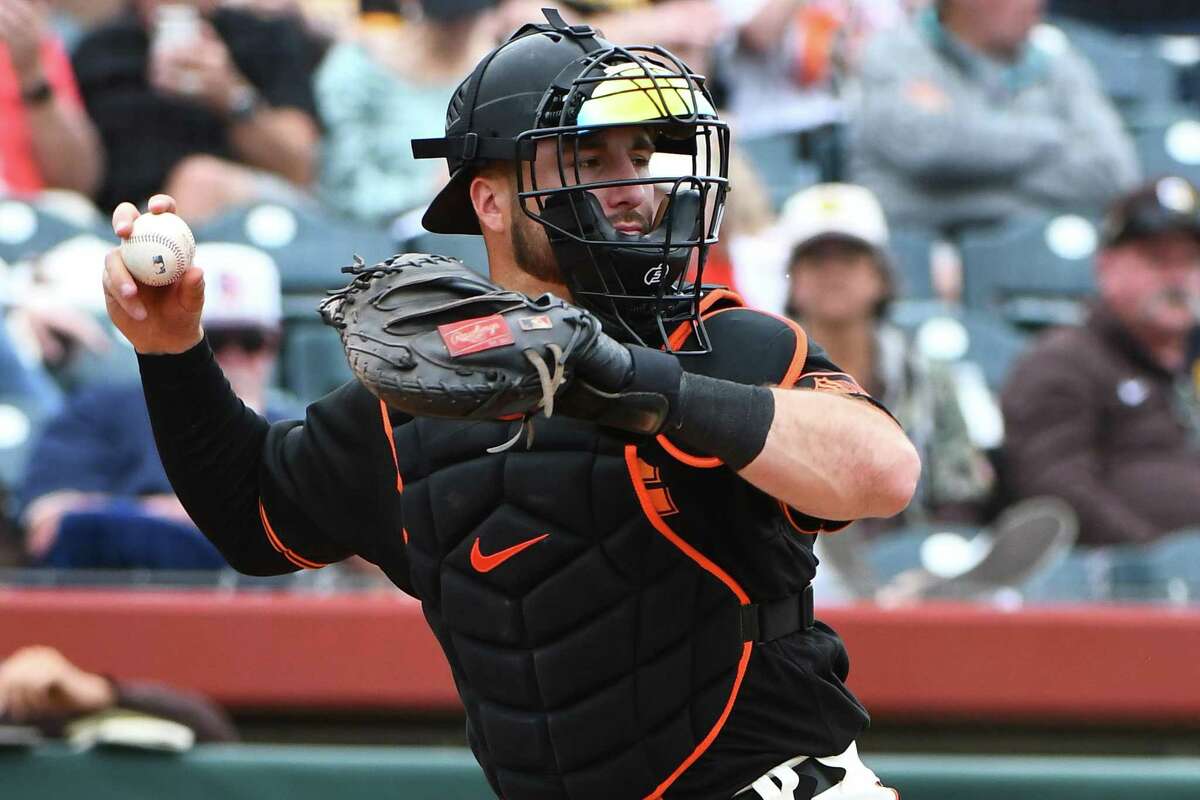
x=585, y=587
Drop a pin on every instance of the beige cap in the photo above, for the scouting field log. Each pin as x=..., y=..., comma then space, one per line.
x=241, y=286
x=839, y=210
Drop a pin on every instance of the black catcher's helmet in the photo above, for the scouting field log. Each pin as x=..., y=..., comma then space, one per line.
x=559, y=83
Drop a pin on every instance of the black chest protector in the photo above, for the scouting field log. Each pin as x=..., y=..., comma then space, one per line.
x=591, y=595
x=587, y=594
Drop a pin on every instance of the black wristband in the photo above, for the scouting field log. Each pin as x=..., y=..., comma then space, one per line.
x=721, y=418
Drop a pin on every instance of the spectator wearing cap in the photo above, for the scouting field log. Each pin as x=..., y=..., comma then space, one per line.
x=46, y=138
x=96, y=494
x=975, y=113
x=840, y=283
x=1105, y=416
x=208, y=102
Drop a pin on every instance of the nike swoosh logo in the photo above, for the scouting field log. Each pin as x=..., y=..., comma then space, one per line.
x=487, y=563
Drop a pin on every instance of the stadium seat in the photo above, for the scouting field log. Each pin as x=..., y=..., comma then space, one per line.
x=1166, y=570
x=1130, y=68
x=467, y=249
x=21, y=419
x=993, y=344
x=1033, y=272
x=312, y=362
x=777, y=161
x=896, y=552
x=1028, y=540
x=911, y=251
x=310, y=248
x=1171, y=147
x=955, y=334
x=27, y=231
x=1073, y=580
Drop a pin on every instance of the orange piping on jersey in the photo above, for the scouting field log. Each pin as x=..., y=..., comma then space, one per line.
x=701, y=462
x=289, y=554
x=676, y=340
x=681, y=333
x=710, y=299
x=639, y=486
x=787, y=514
x=387, y=431
x=743, y=662
x=632, y=462
x=799, y=355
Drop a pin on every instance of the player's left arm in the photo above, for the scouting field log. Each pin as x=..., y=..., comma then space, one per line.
x=824, y=447
x=792, y=423
x=834, y=456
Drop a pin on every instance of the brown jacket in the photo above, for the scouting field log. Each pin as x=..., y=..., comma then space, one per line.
x=1091, y=418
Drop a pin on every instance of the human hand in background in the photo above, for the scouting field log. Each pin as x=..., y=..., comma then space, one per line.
x=44, y=514
x=202, y=71
x=22, y=28
x=58, y=328
x=38, y=681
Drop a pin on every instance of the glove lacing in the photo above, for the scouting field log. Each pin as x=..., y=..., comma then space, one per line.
x=551, y=381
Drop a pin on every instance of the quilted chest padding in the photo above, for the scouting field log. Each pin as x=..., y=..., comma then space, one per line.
x=600, y=648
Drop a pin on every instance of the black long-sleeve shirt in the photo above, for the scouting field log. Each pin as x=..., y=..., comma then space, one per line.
x=536, y=646
x=228, y=464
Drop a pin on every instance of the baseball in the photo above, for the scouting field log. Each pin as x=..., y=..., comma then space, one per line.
x=159, y=249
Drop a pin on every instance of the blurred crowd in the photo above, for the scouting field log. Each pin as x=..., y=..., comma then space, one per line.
x=985, y=210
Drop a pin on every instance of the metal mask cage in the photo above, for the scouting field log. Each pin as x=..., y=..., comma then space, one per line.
x=645, y=285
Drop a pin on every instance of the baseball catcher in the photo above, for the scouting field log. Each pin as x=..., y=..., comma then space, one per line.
x=601, y=477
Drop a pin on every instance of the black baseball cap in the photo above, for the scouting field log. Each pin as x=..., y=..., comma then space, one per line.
x=1167, y=204
x=493, y=106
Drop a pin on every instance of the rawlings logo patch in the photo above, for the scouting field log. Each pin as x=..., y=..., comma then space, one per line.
x=539, y=323
x=475, y=335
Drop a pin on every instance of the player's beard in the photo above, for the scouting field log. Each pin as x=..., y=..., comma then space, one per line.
x=532, y=248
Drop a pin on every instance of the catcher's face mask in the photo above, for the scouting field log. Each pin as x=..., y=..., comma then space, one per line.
x=549, y=93
x=634, y=190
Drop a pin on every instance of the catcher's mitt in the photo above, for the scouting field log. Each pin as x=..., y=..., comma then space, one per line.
x=431, y=337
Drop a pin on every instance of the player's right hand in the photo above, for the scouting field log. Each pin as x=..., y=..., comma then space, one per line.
x=155, y=319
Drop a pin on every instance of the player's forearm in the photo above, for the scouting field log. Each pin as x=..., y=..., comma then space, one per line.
x=66, y=147
x=282, y=141
x=834, y=457
x=211, y=447
x=824, y=454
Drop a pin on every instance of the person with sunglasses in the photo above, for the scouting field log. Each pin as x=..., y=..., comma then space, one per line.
x=95, y=493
